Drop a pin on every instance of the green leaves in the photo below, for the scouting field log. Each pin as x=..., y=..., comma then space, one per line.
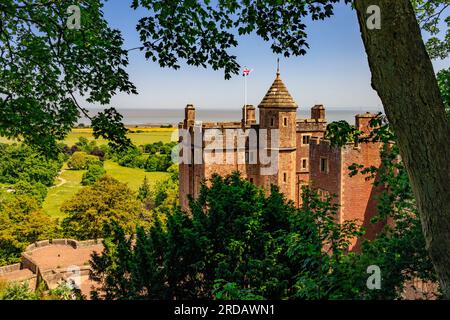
x=107, y=201
x=341, y=132
x=203, y=34
x=236, y=243
x=443, y=78
x=108, y=124
x=430, y=14
x=44, y=66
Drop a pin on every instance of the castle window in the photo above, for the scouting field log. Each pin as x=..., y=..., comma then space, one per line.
x=306, y=139
x=323, y=194
x=304, y=163
x=285, y=121
x=251, y=180
x=324, y=165
x=285, y=177
x=272, y=121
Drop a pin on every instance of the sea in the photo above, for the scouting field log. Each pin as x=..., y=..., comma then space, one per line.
x=156, y=116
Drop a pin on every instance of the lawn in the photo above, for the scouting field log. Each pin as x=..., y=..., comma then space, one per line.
x=132, y=176
x=58, y=195
x=72, y=184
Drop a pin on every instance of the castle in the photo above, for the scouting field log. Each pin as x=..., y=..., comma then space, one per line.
x=302, y=156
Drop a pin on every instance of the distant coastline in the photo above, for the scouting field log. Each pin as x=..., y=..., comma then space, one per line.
x=153, y=117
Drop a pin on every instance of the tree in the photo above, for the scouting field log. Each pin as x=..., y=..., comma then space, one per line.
x=443, y=78
x=127, y=157
x=93, y=207
x=35, y=190
x=236, y=242
x=45, y=65
x=17, y=291
x=144, y=190
x=22, y=291
x=400, y=249
x=81, y=160
x=402, y=74
x=21, y=223
x=429, y=15
x=93, y=173
x=20, y=162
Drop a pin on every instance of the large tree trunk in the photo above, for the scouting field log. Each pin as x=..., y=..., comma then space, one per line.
x=403, y=76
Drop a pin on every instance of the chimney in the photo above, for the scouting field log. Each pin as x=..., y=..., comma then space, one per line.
x=362, y=122
x=248, y=115
x=318, y=112
x=189, y=116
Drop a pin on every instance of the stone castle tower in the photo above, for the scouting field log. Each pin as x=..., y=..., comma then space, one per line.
x=278, y=110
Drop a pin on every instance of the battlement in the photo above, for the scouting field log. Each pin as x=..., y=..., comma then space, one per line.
x=320, y=141
x=311, y=125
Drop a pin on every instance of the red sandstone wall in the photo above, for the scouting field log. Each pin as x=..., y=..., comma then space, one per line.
x=358, y=195
x=286, y=165
x=326, y=181
x=313, y=129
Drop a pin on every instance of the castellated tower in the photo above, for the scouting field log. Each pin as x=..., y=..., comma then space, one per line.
x=277, y=111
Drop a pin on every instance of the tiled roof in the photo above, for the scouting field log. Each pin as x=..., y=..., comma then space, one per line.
x=278, y=96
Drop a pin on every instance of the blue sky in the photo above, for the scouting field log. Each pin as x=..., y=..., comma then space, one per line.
x=334, y=72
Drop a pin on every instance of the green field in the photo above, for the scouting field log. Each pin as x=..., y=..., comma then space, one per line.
x=136, y=138
x=70, y=183
x=57, y=195
x=132, y=176
x=149, y=135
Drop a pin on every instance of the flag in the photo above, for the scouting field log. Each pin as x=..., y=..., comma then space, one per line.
x=246, y=71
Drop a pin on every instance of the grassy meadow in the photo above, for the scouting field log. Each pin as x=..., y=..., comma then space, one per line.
x=138, y=135
x=69, y=182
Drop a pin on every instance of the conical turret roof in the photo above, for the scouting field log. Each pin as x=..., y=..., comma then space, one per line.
x=278, y=96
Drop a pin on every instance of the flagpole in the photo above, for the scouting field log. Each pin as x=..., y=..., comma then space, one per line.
x=245, y=101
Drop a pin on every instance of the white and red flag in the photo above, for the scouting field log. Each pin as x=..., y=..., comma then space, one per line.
x=246, y=71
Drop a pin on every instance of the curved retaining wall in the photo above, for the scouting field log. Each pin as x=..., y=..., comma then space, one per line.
x=28, y=261
x=64, y=242
x=10, y=268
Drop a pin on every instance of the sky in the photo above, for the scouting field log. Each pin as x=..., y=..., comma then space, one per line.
x=334, y=72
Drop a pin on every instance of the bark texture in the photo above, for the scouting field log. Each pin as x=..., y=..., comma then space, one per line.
x=404, y=78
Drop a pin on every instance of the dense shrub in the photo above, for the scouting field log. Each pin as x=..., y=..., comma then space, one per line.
x=103, y=203
x=127, y=158
x=158, y=162
x=151, y=157
x=36, y=190
x=19, y=162
x=93, y=173
x=81, y=160
x=17, y=291
x=159, y=147
x=233, y=237
x=83, y=144
x=21, y=222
